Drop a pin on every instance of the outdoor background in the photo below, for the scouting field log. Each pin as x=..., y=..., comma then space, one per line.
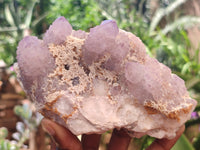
x=170, y=29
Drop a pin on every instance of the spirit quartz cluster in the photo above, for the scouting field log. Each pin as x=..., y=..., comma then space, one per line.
x=94, y=82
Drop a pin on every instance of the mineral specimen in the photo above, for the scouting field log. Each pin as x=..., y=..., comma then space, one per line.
x=94, y=82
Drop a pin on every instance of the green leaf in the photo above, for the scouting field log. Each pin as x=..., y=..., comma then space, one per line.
x=18, y=110
x=191, y=82
x=3, y=133
x=197, y=142
x=183, y=144
x=29, y=14
x=185, y=57
x=160, y=13
x=8, y=15
x=2, y=144
x=186, y=68
x=186, y=21
x=36, y=21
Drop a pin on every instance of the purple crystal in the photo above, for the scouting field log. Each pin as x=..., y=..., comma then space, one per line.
x=100, y=40
x=94, y=82
x=34, y=59
x=58, y=31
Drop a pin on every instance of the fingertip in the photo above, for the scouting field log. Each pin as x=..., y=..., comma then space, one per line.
x=119, y=141
x=61, y=135
x=48, y=127
x=166, y=144
x=181, y=130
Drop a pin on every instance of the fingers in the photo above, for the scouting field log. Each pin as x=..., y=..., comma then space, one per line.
x=166, y=144
x=53, y=144
x=64, y=138
x=90, y=142
x=119, y=141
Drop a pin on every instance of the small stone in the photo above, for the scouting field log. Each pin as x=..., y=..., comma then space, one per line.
x=67, y=67
x=75, y=81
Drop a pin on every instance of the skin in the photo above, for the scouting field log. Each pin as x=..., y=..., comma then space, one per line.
x=65, y=140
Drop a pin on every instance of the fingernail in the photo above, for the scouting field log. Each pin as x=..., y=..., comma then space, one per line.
x=48, y=128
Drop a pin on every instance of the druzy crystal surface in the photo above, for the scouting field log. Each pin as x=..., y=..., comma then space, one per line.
x=96, y=81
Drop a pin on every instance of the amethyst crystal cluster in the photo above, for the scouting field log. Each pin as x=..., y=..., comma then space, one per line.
x=93, y=82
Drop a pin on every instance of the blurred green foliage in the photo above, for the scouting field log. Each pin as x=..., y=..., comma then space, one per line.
x=170, y=44
x=30, y=119
x=82, y=14
x=183, y=144
x=29, y=124
x=19, y=18
x=3, y=133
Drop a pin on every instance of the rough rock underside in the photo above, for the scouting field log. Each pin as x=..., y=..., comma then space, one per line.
x=94, y=82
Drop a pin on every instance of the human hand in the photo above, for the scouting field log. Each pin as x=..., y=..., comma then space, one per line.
x=119, y=141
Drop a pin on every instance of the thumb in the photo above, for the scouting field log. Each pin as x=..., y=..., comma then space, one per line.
x=62, y=136
x=166, y=144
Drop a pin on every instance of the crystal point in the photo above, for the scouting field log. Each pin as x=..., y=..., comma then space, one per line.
x=58, y=31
